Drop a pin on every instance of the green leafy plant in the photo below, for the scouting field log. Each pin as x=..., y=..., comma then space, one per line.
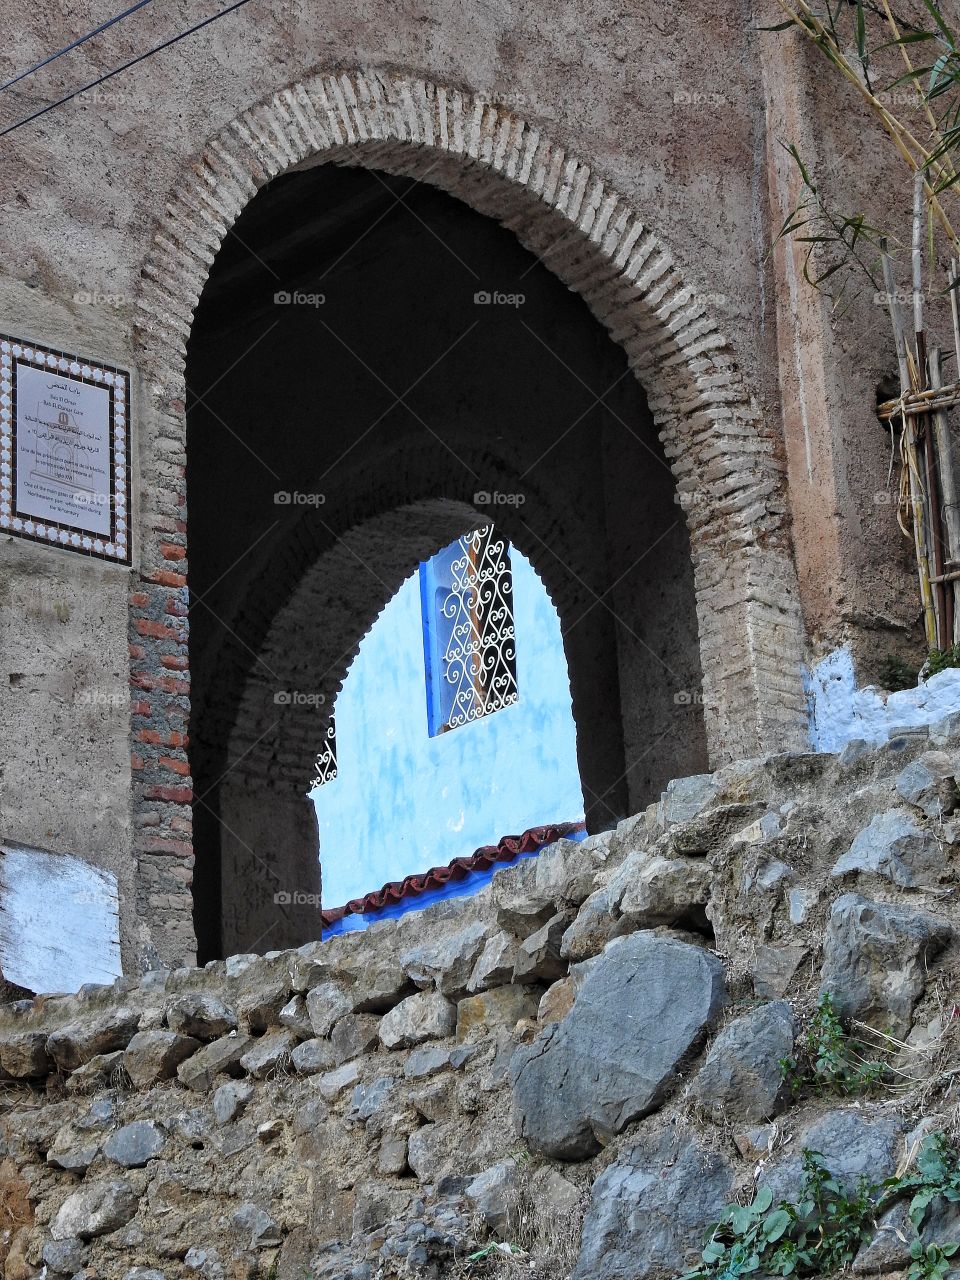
x=822, y=1232
x=936, y=1173
x=895, y=674
x=828, y=1059
x=941, y=659
x=931, y=1262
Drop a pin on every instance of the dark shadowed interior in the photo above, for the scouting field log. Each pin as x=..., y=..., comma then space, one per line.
x=385, y=398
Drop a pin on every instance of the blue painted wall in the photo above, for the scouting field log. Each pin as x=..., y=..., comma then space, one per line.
x=402, y=801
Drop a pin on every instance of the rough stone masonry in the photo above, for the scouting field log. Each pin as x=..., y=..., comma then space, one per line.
x=584, y=1058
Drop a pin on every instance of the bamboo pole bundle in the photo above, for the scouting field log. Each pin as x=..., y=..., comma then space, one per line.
x=911, y=486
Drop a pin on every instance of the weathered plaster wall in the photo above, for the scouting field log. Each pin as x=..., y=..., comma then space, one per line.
x=842, y=712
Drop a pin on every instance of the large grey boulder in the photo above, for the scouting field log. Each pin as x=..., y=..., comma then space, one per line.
x=425, y=1016
x=107, y=1032
x=135, y=1144
x=95, y=1211
x=929, y=783
x=327, y=1003
x=741, y=1078
x=644, y=1005
x=649, y=1210
x=201, y=1016
x=894, y=847
x=875, y=958
x=155, y=1055
x=852, y=1144
x=449, y=962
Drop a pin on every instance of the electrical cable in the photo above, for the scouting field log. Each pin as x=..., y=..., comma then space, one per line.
x=75, y=45
x=141, y=57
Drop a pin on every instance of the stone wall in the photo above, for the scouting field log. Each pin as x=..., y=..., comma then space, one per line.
x=595, y=1037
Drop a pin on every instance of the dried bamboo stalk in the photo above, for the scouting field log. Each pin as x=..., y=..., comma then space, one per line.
x=948, y=491
x=916, y=403
x=909, y=454
x=917, y=259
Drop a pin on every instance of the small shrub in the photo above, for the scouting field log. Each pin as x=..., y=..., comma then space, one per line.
x=828, y=1059
x=940, y=659
x=895, y=674
x=823, y=1231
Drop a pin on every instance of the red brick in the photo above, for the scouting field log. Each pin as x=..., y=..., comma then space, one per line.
x=136, y=762
x=149, y=735
x=157, y=630
x=135, y=650
x=139, y=599
x=174, y=663
x=141, y=680
x=167, y=578
x=172, y=551
x=173, y=795
x=177, y=608
x=181, y=526
x=141, y=708
x=175, y=766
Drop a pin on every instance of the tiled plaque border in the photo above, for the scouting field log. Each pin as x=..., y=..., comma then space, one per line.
x=116, y=548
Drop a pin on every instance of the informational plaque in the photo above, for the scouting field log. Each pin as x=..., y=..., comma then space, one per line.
x=64, y=450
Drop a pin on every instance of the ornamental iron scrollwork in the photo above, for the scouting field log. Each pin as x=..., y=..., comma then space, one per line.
x=326, y=762
x=479, y=664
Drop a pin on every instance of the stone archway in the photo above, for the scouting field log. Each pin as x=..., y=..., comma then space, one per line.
x=725, y=458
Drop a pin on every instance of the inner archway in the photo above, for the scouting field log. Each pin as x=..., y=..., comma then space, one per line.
x=454, y=725
x=375, y=367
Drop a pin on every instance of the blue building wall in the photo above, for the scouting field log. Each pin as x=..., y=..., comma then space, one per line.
x=403, y=801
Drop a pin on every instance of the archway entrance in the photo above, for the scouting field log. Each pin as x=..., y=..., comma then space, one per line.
x=726, y=457
x=375, y=368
